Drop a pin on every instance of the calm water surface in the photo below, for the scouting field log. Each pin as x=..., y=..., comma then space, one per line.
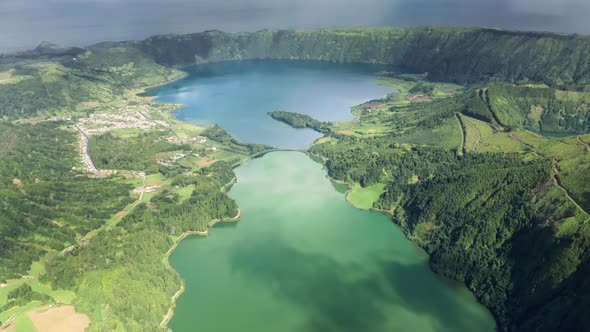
x=301, y=258
x=238, y=96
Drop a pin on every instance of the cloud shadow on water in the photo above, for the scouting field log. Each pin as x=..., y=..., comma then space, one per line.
x=335, y=298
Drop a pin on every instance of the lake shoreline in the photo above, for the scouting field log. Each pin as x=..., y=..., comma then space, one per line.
x=350, y=188
x=170, y=251
x=167, y=318
x=391, y=215
x=210, y=225
x=169, y=315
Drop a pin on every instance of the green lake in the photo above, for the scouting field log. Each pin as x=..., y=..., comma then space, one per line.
x=302, y=259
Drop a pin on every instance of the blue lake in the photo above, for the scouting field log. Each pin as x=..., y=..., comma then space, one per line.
x=238, y=96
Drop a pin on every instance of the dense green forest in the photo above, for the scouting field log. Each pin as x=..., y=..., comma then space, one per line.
x=483, y=217
x=44, y=205
x=463, y=55
x=297, y=120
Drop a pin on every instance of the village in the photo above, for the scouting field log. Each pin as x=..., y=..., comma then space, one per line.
x=138, y=118
x=128, y=117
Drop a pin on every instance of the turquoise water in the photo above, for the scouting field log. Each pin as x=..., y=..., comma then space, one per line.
x=238, y=96
x=301, y=258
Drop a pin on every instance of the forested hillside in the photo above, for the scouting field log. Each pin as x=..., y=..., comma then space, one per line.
x=539, y=109
x=44, y=205
x=508, y=106
x=120, y=277
x=463, y=55
x=490, y=220
x=73, y=84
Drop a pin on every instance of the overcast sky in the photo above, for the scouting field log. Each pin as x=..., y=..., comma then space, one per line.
x=25, y=23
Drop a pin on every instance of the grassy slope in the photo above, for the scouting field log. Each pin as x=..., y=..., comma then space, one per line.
x=364, y=197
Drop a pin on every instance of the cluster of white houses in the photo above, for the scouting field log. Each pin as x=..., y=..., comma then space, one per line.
x=103, y=122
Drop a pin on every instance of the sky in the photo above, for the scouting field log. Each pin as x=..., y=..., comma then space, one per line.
x=25, y=23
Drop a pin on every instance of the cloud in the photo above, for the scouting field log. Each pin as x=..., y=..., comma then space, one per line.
x=80, y=22
x=561, y=7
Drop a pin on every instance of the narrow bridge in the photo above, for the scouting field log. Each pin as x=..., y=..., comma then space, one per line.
x=262, y=153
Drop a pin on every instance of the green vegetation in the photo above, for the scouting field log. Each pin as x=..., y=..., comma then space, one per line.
x=477, y=215
x=462, y=55
x=365, y=197
x=48, y=205
x=63, y=84
x=540, y=109
x=132, y=153
x=88, y=233
x=422, y=88
x=44, y=205
x=297, y=120
x=485, y=178
x=486, y=207
x=119, y=276
x=20, y=317
x=22, y=295
x=219, y=134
